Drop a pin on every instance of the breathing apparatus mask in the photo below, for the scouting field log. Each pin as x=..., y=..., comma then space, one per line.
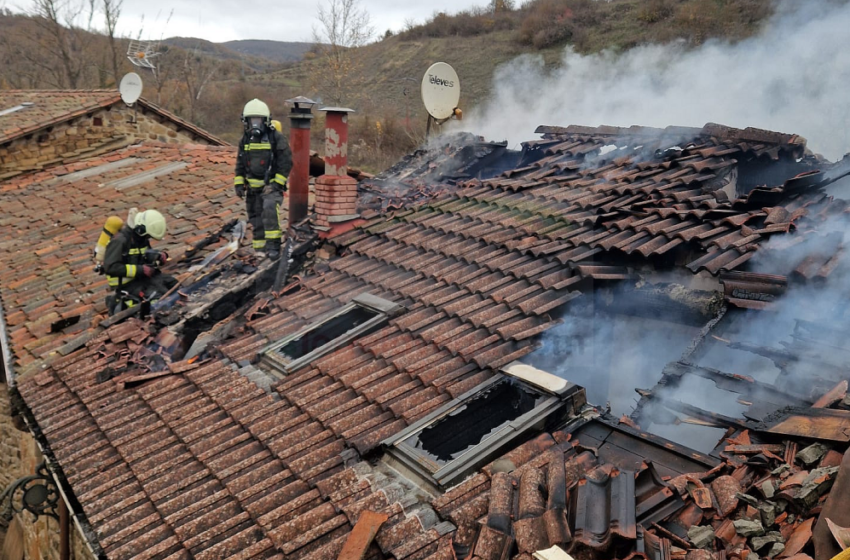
x=256, y=126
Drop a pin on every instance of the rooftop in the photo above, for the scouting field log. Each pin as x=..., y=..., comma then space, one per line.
x=24, y=112
x=236, y=452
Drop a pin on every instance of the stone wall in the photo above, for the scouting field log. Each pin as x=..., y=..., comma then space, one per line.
x=85, y=134
x=10, y=459
x=19, y=456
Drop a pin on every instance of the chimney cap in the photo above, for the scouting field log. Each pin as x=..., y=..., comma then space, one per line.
x=301, y=102
x=337, y=110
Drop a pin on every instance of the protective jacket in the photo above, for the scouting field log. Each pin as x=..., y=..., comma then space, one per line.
x=264, y=161
x=125, y=255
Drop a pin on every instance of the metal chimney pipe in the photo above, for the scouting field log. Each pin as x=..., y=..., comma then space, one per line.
x=299, y=142
x=336, y=141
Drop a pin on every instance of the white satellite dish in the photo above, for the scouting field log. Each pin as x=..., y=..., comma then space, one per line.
x=130, y=88
x=441, y=91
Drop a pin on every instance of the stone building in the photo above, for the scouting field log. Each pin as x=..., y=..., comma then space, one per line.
x=40, y=128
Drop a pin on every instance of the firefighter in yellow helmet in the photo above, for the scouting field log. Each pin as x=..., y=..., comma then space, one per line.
x=262, y=167
x=132, y=267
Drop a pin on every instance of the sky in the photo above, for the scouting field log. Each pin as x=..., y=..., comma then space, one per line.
x=291, y=20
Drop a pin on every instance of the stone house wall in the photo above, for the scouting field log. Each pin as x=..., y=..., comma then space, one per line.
x=85, y=134
x=19, y=456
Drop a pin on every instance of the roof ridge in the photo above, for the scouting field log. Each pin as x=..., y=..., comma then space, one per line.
x=713, y=130
x=62, y=91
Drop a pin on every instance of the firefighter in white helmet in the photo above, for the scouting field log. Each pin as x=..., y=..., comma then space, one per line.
x=132, y=267
x=262, y=167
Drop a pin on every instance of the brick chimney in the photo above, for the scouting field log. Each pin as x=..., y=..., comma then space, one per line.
x=336, y=192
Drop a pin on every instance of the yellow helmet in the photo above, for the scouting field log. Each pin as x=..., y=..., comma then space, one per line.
x=277, y=126
x=150, y=222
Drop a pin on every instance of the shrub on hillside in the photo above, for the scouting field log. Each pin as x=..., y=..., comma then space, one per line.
x=699, y=20
x=378, y=143
x=654, y=11
x=555, y=22
x=467, y=23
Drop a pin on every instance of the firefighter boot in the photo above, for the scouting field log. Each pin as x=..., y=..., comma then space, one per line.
x=273, y=248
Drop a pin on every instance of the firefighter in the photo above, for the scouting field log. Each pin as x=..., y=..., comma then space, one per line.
x=132, y=267
x=262, y=167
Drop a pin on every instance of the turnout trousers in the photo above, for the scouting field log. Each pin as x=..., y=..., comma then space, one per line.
x=263, y=205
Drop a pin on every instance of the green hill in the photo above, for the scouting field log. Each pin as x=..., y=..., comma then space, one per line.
x=276, y=51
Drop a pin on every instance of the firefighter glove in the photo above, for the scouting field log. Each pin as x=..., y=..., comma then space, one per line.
x=239, y=190
x=148, y=270
x=162, y=257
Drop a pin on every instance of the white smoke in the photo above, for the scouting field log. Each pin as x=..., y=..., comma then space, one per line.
x=793, y=77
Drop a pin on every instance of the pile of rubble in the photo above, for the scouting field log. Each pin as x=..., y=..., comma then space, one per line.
x=763, y=500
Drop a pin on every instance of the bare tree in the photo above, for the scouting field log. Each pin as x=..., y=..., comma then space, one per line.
x=165, y=62
x=502, y=6
x=67, y=34
x=196, y=73
x=343, y=26
x=111, y=13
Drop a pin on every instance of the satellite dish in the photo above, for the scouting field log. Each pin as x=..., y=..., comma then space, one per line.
x=130, y=88
x=441, y=91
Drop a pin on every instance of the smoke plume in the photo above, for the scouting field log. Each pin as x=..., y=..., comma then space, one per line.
x=792, y=77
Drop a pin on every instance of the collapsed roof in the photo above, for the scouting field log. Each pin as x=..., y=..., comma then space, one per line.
x=249, y=449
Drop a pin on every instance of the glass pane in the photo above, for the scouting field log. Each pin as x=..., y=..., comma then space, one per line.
x=326, y=332
x=470, y=424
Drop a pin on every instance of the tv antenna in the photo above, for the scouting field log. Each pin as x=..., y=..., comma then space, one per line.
x=441, y=94
x=141, y=53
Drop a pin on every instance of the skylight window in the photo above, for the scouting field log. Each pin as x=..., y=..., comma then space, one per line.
x=480, y=416
x=16, y=108
x=363, y=315
x=472, y=430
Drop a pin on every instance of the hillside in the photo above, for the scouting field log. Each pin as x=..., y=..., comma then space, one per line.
x=388, y=72
x=221, y=52
x=276, y=51
x=208, y=83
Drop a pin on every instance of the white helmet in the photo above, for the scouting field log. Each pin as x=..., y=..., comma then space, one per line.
x=150, y=222
x=256, y=108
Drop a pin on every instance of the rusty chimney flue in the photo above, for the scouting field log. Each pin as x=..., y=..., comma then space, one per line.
x=299, y=142
x=336, y=192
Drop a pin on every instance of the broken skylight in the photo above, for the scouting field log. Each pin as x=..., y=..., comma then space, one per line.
x=466, y=433
x=363, y=315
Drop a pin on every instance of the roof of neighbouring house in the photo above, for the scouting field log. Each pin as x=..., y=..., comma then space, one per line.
x=213, y=458
x=40, y=109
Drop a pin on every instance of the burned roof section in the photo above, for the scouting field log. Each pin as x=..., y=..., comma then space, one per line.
x=433, y=170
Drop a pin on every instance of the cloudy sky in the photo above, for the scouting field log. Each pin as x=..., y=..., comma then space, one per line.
x=290, y=20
